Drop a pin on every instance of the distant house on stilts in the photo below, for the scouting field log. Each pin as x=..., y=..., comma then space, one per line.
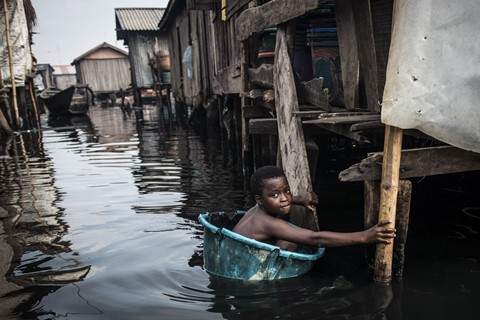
x=138, y=28
x=105, y=69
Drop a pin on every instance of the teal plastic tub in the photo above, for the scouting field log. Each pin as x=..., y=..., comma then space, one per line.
x=230, y=255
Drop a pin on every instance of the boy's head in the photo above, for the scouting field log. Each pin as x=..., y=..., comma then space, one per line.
x=258, y=178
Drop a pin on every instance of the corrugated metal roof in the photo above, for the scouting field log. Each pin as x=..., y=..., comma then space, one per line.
x=138, y=19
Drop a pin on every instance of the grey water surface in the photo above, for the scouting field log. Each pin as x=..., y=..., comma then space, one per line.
x=99, y=221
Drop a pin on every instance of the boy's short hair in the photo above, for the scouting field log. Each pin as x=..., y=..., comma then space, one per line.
x=260, y=175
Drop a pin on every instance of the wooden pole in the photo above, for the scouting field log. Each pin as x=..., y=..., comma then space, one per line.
x=372, y=207
x=34, y=103
x=245, y=132
x=392, y=151
x=10, y=57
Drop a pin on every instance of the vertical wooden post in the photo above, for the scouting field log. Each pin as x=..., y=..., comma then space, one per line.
x=371, y=209
x=34, y=103
x=366, y=50
x=392, y=152
x=348, y=47
x=245, y=132
x=290, y=132
x=10, y=58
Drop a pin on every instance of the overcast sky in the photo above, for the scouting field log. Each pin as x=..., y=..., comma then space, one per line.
x=68, y=28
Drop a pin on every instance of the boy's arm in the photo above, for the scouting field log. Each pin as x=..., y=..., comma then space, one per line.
x=284, y=231
x=379, y=233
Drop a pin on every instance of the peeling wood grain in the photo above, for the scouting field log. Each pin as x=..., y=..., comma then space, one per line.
x=258, y=18
x=418, y=162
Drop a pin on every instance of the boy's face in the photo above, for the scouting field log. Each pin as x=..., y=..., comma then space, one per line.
x=276, y=198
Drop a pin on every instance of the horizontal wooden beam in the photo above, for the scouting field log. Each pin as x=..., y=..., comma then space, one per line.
x=345, y=119
x=250, y=112
x=270, y=14
x=416, y=163
x=269, y=127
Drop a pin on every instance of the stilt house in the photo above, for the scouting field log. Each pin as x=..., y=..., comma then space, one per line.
x=357, y=74
x=105, y=68
x=17, y=67
x=138, y=28
x=64, y=76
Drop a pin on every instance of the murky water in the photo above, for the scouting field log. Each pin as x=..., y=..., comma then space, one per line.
x=99, y=221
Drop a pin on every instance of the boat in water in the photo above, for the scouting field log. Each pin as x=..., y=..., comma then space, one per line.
x=231, y=255
x=74, y=100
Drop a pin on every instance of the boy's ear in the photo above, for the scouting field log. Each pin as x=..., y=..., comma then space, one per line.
x=258, y=200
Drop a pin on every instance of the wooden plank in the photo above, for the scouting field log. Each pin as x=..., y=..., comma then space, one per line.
x=250, y=112
x=235, y=6
x=271, y=13
x=343, y=130
x=263, y=126
x=290, y=132
x=262, y=76
x=345, y=119
x=418, y=162
x=388, y=199
x=366, y=49
x=229, y=80
x=367, y=126
x=348, y=47
x=308, y=114
x=313, y=93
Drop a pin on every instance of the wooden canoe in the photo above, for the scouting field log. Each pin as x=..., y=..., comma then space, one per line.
x=74, y=100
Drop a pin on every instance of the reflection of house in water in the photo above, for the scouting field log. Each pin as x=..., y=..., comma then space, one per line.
x=112, y=126
x=32, y=247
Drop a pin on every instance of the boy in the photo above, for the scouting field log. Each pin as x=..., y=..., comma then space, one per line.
x=273, y=197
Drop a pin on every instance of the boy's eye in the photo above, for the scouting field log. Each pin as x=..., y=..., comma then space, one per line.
x=275, y=195
x=287, y=191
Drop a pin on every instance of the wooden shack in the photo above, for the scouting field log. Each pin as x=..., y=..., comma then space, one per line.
x=18, y=108
x=105, y=68
x=43, y=76
x=345, y=71
x=64, y=76
x=138, y=28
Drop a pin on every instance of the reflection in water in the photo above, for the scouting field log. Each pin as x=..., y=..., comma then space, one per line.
x=32, y=229
x=98, y=220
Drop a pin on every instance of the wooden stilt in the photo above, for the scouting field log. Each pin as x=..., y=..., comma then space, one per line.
x=4, y=124
x=388, y=199
x=10, y=58
x=245, y=131
x=372, y=207
x=34, y=103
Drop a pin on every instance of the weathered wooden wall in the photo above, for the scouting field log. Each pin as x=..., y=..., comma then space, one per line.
x=104, y=75
x=141, y=46
x=213, y=46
